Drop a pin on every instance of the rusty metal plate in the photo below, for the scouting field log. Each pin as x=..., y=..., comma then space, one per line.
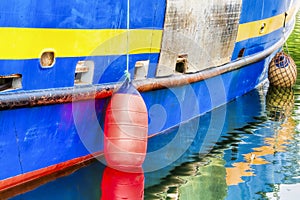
x=205, y=31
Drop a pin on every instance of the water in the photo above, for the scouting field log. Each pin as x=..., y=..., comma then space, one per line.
x=247, y=149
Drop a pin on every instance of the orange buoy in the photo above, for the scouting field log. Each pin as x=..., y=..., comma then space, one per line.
x=126, y=129
x=122, y=185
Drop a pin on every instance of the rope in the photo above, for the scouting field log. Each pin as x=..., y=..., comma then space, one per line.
x=285, y=39
x=287, y=48
x=127, y=73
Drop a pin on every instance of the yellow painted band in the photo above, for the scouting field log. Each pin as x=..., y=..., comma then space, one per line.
x=29, y=43
x=254, y=29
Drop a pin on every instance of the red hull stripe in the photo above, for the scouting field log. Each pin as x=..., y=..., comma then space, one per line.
x=44, y=175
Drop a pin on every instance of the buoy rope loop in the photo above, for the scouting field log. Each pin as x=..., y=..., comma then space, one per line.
x=127, y=74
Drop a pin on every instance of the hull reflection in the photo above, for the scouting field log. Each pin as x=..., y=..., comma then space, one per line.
x=122, y=185
x=201, y=172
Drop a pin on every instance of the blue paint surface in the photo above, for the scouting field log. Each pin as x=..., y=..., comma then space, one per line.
x=75, y=129
x=260, y=10
x=34, y=77
x=257, y=9
x=207, y=143
x=82, y=14
x=261, y=43
x=101, y=15
x=147, y=14
x=89, y=188
x=9, y=148
x=214, y=148
x=183, y=103
x=49, y=135
x=108, y=69
x=57, y=133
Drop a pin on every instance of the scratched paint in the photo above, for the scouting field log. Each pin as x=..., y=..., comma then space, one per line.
x=190, y=29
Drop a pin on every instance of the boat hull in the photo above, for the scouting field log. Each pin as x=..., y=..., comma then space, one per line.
x=50, y=121
x=72, y=130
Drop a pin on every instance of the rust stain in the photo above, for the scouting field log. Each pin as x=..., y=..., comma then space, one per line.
x=191, y=27
x=68, y=95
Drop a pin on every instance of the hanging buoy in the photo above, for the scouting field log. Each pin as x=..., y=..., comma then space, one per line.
x=280, y=102
x=282, y=70
x=122, y=185
x=125, y=129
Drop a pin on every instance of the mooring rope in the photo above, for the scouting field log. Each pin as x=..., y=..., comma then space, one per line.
x=127, y=73
x=285, y=39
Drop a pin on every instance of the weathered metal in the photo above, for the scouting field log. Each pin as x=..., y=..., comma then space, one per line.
x=205, y=31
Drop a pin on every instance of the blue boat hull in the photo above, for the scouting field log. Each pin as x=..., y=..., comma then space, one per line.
x=240, y=116
x=44, y=131
x=76, y=129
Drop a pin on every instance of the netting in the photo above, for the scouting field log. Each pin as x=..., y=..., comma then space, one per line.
x=280, y=102
x=282, y=70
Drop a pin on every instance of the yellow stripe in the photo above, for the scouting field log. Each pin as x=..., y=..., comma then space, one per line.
x=28, y=43
x=253, y=29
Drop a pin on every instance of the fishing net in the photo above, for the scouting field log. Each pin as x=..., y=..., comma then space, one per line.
x=282, y=70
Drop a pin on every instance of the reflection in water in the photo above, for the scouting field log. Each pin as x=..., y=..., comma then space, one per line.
x=203, y=185
x=264, y=163
x=193, y=180
x=122, y=185
x=280, y=103
x=202, y=176
x=251, y=144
